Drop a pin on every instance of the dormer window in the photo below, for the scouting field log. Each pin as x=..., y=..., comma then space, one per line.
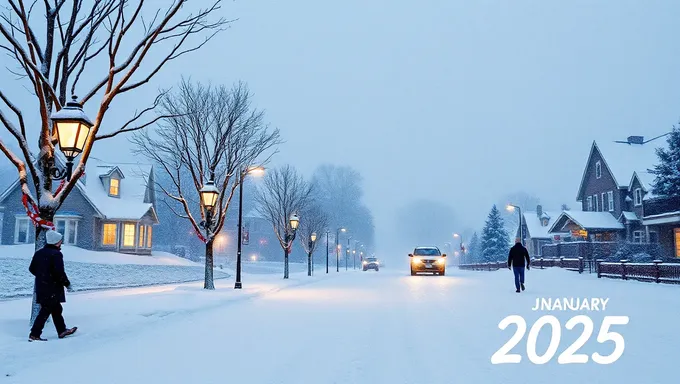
x=545, y=222
x=114, y=187
x=598, y=169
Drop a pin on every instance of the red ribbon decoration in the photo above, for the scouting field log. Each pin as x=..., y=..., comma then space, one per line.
x=33, y=212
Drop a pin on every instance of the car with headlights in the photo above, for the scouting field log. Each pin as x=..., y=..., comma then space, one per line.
x=371, y=263
x=428, y=260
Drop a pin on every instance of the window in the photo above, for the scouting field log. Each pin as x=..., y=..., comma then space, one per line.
x=141, y=236
x=638, y=236
x=610, y=199
x=545, y=222
x=114, y=185
x=637, y=197
x=21, y=230
x=129, y=235
x=72, y=231
x=148, y=236
x=426, y=252
x=597, y=203
x=110, y=231
x=590, y=203
x=61, y=227
x=605, y=205
x=677, y=242
x=598, y=169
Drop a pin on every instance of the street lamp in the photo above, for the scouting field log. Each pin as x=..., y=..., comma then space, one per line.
x=72, y=127
x=293, y=222
x=242, y=175
x=337, y=248
x=511, y=208
x=209, y=194
x=327, y=233
x=312, y=240
x=459, y=236
x=347, y=251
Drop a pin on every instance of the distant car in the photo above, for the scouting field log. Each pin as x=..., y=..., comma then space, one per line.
x=371, y=263
x=428, y=260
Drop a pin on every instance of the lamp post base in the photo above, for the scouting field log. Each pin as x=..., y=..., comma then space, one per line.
x=238, y=285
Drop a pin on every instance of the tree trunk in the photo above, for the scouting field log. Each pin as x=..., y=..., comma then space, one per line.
x=309, y=264
x=285, y=263
x=40, y=242
x=209, y=281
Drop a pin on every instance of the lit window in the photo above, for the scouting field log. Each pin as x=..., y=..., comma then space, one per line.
x=638, y=197
x=129, y=235
x=113, y=187
x=148, y=236
x=141, y=236
x=677, y=242
x=598, y=170
x=110, y=231
x=21, y=231
x=610, y=198
x=638, y=236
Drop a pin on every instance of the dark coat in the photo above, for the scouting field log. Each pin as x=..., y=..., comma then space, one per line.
x=50, y=279
x=518, y=254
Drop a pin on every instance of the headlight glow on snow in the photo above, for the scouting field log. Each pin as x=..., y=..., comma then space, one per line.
x=416, y=260
x=441, y=261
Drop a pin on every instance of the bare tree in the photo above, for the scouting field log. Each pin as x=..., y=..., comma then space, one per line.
x=313, y=221
x=282, y=194
x=108, y=39
x=214, y=135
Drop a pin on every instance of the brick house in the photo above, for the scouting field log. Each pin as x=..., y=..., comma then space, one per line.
x=112, y=208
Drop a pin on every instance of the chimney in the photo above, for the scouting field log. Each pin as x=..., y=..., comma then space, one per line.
x=636, y=140
x=539, y=211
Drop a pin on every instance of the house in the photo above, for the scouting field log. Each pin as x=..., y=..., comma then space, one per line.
x=111, y=208
x=615, y=183
x=662, y=221
x=536, y=226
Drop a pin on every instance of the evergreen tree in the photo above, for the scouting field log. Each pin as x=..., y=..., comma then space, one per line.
x=475, y=250
x=667, y=172
x=495, y=238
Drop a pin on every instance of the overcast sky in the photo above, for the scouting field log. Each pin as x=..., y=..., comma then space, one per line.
x=455, y=101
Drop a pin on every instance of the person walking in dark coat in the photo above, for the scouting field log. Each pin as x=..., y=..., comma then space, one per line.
x=50, y=280
x=516, y=261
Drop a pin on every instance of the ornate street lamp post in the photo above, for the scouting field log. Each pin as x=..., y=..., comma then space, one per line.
x=293, y=222
x=310, y=247
x=244, y=172
x=72, y=127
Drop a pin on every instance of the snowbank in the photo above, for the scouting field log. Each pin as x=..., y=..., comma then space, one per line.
x=25, y=251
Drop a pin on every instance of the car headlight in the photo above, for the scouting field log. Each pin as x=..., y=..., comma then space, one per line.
x=416, y=261
x=441, y=261
x=365, y=263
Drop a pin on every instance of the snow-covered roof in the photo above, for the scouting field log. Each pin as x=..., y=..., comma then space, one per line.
x=129, y=205
x=629, y=216
x=588, y=220
x=533, y=223
x=624, y=159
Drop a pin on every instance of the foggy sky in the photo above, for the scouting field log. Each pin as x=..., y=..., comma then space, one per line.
x=459, y=102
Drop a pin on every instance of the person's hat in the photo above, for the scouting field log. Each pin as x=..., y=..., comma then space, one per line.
x=53, y=237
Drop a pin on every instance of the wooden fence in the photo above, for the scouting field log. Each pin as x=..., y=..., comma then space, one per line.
x=653, y=272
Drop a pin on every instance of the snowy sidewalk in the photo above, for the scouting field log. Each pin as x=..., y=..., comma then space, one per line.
x=106, y=316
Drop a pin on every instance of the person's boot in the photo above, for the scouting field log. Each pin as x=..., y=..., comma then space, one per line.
x=32, y=338
x=518, y=291
x=68, y=332
x=522, y=286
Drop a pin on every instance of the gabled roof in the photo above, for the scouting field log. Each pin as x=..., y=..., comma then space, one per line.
x=130, y=205
x=629, y=216
x=587, y=220
x=131, y=202
x=622, y=160
x=533, y=223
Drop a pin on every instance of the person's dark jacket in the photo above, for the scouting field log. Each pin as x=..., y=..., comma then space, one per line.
x=518, y=255
x=50, y=278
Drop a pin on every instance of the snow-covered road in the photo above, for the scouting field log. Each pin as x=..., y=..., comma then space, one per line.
x=351, y=327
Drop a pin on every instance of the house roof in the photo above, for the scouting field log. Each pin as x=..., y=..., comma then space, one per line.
x=533, y=223
x=623, y=159
x=588, y=220
x=629, y=216
x=130, y=204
